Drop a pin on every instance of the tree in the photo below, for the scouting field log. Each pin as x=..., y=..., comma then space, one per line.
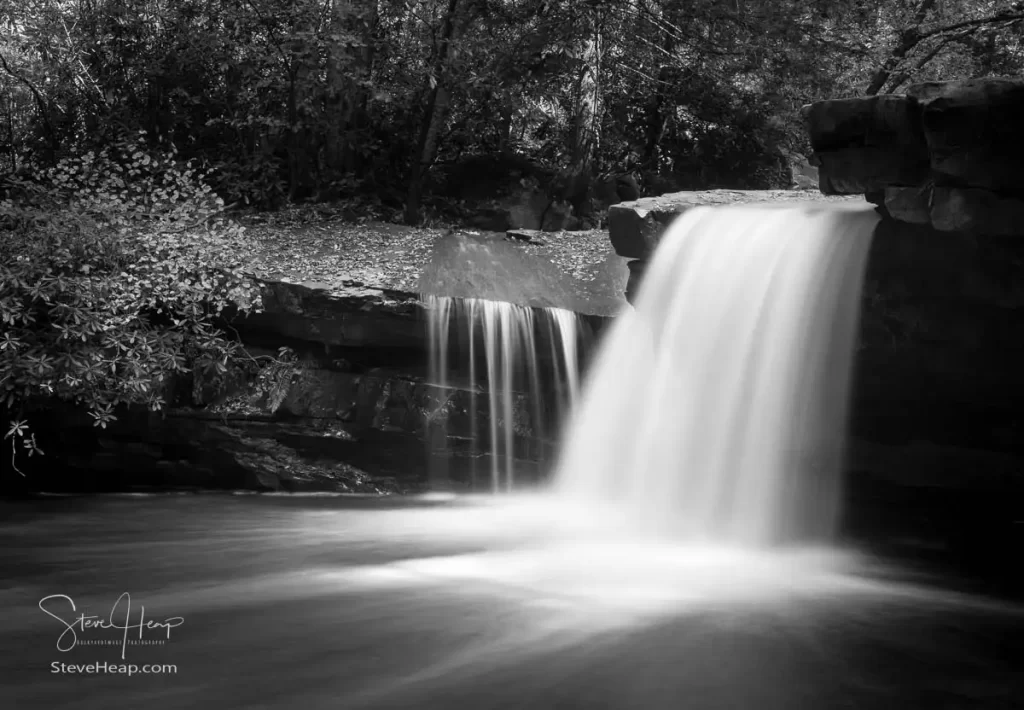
x=935, y=28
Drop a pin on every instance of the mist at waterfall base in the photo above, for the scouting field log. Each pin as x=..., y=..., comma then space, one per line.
x=640, y=582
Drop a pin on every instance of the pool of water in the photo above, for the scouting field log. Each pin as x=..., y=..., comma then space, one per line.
x=443, y=602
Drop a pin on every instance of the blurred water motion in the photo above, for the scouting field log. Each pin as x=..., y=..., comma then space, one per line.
x=501, y=346
x=717, y=409
x=337, y=602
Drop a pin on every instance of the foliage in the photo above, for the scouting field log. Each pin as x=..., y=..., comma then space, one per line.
x=329, y=99
x=113, y=267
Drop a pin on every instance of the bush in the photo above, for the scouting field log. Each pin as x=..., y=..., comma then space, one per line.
x=113, y=268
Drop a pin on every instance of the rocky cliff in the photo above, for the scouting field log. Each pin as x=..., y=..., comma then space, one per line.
x=946, y=154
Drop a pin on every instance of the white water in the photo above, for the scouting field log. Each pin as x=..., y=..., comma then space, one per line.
x=716, y=410
x=516, y=387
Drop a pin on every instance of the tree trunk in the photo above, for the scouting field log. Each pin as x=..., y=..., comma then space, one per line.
x=434, y=114
x=588, y=110
x=349, y=70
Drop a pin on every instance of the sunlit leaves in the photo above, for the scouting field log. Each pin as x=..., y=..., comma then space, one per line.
x=108, y=285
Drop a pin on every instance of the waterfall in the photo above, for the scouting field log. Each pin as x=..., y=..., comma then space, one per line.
x=716, y=410
x=522, y=362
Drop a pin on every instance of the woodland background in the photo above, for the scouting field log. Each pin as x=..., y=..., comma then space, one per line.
x=285, y=101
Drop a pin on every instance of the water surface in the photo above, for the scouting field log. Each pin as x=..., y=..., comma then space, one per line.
x=338, y=602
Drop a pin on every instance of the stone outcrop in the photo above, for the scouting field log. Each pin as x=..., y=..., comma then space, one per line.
x=575, y=271
x=946, y=154
x=349, y=318
x=863, y=145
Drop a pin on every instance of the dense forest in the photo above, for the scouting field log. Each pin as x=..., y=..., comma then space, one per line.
x=327, y=99
x=130, y=128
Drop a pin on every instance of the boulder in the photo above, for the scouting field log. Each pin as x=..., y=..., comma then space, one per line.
x=802, y=175
x=576, y=271
x=526, y=209
x=886, y=122
x=946, y=154
x=863, y=145
x=972, y=130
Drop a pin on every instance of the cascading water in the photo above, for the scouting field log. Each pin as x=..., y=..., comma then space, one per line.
x=495, y=350
x=716, y=410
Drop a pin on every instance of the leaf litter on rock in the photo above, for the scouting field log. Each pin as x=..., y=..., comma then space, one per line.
x=339, y=255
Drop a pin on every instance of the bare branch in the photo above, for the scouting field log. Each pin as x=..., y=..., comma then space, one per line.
x=975, y=23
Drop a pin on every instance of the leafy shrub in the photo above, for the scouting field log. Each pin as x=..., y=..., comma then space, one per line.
x=113, y=267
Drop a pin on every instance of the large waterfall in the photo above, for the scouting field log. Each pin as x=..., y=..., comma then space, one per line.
x=716, y=410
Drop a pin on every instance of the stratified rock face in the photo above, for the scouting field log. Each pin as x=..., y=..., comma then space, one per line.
x=296, y=427
x=356, y=317
x=947, y=154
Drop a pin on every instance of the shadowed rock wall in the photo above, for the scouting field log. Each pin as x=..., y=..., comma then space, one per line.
x=945, y=154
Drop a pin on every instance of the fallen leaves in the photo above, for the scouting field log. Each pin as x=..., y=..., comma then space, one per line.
x=322, y=251
x=341, y=255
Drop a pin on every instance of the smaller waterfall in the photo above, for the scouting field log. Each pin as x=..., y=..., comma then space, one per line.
x=523, y=362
